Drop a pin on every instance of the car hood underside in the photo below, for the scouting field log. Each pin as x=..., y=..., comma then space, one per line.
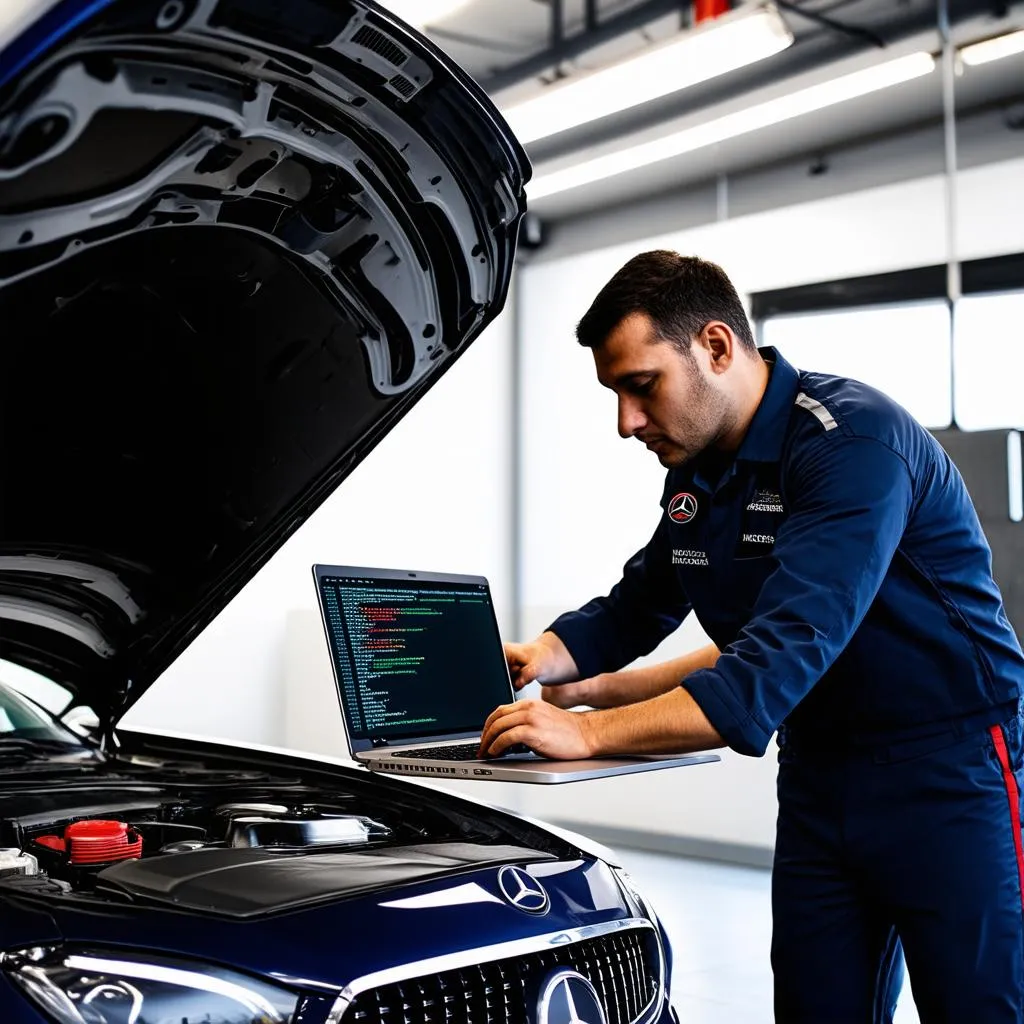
x=238, y=240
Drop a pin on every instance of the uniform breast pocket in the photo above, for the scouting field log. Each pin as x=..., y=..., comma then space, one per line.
x=746, y=578
x=750, y=573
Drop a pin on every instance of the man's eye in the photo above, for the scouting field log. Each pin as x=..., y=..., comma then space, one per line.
x=643, y=387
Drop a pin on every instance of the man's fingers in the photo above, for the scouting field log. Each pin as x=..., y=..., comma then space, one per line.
x=516, y=734
x=527, y=674
x=525, y=663
x=504, y=709
x=508, y=716
x=517, y=654
x=549, y=731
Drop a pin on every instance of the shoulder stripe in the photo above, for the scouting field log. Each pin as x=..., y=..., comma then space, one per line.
x=817, y=410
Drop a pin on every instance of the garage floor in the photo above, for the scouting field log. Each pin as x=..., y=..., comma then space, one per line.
x=719, y=920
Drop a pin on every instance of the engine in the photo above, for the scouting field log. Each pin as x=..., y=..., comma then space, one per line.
x=75, y=850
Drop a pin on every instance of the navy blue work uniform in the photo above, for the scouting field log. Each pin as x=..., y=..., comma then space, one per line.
x=839, y=565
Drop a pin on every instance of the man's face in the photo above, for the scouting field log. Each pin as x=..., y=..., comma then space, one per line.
x=674, y=403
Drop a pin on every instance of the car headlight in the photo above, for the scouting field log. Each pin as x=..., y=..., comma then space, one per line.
x=87, y=987
x=634, y=895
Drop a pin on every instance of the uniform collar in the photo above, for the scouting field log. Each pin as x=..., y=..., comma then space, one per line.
x=767, y=431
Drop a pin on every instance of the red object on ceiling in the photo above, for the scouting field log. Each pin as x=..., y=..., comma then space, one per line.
x=705, y=10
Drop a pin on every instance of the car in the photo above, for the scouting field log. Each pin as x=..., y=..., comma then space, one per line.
x=239, y=239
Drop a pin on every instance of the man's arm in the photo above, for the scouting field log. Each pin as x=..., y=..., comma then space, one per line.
x=642, y=609
x=852, y=500
x=629, y=686
x=607, y=632
x=671, y=723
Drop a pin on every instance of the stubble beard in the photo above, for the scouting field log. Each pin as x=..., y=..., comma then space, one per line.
x=701, y=433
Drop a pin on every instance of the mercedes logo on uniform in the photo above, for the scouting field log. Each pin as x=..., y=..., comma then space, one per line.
x=522, y=890
x=568, y=998
x=682, y=508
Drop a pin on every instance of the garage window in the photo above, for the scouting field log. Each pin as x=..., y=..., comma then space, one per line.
x=901, y=349
x=988, y=361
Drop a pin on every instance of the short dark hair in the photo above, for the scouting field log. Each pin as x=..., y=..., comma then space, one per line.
x=680, y=294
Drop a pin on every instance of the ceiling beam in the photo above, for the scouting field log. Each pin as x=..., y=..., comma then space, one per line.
x=594, y=33
x=557, y=23
x=838, y=26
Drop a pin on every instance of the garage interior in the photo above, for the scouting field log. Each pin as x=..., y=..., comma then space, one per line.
x=863, y=186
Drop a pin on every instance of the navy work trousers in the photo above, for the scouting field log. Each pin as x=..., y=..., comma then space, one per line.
x=919, y=840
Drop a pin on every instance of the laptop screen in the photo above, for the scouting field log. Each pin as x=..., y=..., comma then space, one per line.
x=415, y=654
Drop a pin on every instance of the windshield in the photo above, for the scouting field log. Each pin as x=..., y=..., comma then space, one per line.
x=23, y=720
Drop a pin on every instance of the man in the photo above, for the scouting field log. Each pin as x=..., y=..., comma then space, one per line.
x=830, y=550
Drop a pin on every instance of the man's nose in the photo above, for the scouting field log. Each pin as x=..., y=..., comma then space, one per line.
x=631, y=418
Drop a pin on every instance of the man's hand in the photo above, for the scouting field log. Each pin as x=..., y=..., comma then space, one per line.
x=545, y=660
x=671, y=723
x=546, y=730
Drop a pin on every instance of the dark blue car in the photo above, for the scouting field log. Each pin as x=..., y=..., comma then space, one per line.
x=238, y=240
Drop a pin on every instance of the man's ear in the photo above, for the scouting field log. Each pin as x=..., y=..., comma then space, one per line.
x=720, y=343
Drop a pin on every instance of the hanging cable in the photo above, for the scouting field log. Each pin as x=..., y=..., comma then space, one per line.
x=837, y=26
x=953, y=277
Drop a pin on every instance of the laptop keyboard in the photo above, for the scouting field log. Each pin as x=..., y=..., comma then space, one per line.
x=457, y=752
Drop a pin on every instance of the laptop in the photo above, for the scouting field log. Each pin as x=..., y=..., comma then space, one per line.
x=419, y=667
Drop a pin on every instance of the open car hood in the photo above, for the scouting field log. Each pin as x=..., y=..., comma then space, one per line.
x=238, y=240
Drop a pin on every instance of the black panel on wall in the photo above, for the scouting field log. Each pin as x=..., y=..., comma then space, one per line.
x=981, y=457
x=994, y=274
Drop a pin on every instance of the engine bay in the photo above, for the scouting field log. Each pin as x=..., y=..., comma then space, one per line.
x=237, y=841
x=74, y=850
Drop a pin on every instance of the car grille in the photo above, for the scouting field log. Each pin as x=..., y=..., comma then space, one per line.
x=623, y=968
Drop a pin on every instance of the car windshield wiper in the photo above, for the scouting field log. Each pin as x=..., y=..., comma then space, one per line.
x=28, y=745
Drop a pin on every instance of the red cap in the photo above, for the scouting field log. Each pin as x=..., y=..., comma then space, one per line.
x=100, y=842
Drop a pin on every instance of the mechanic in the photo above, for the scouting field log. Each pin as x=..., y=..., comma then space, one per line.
x=832, y=554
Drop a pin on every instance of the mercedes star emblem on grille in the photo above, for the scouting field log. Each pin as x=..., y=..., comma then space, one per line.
x=523, y=891
x=568, y=998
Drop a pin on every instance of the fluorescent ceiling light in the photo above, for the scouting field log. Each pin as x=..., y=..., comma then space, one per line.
x=749, y=119
x=993, y=49
x=17, y=15
x=422, y=12
x=720, y=46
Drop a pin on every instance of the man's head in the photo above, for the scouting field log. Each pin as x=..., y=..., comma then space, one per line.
x=671, y=338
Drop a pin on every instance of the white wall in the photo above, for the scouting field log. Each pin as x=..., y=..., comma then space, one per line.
x=588, y=500
x=591, y=499
x=435, y=495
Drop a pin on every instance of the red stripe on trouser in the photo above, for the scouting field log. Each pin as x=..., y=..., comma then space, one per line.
x=1013, y=795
